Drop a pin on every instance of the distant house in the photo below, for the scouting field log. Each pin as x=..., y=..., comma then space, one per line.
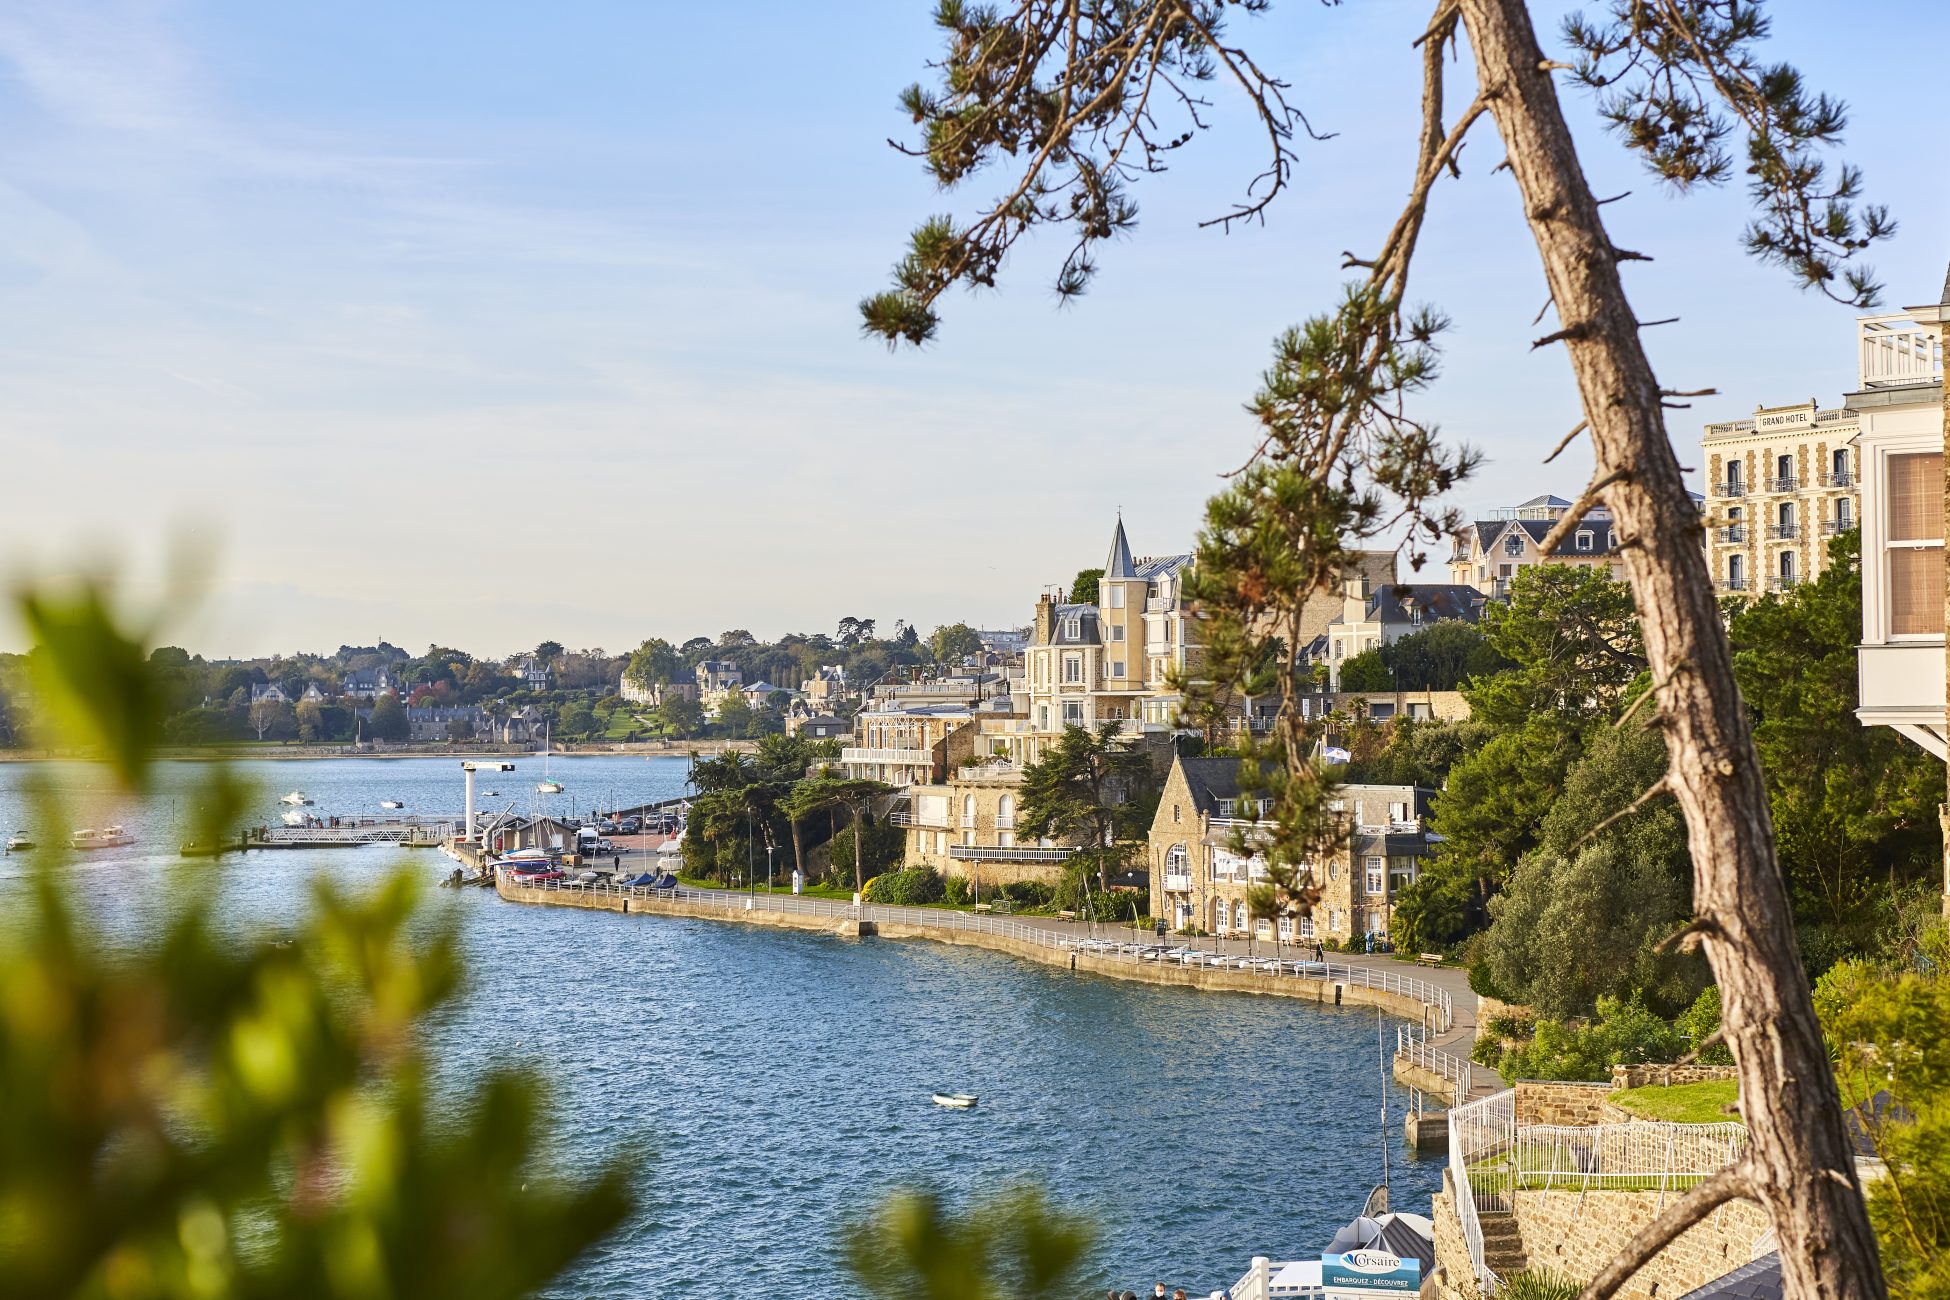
x=522, y=728
x=369, y=683
x=759, y=693
x=1373, y=616
x=436, y=722
x=827, y=687
x=269, y=691
x=631, y=693
x=313, y=693
x=717, y=678
x=820, y=726
x=533, y=673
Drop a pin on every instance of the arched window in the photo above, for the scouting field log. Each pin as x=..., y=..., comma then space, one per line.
x=1513, y=544
x=1239, y=915
x=1736, y=572
x=1220, y=915
x=968, y=810
x=1005, y=811
x=1787, y=568
x=1177, y=861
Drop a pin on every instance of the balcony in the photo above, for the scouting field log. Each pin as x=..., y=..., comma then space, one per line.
x=1731, y=584
x=937, y=822
x=1840, y=478
x=1788, y=484
x=1897, y=352
x=1009, y=853
x=1782, y=584
x=891, y=757
x=1735, y=533
x=1783, y=532
x=1730, y=488
x=1178, y=884
x=1831, y=527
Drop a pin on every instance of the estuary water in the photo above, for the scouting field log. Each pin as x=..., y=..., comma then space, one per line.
x=779, y=1081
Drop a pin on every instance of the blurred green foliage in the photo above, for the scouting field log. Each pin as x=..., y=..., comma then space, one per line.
x=1016, y=1245
x=193, y=1114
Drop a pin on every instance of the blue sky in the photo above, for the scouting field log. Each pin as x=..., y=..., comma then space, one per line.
x=483, y=323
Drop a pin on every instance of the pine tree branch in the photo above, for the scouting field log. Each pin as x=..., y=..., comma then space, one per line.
x=1730, y=1184
x=1572, y=517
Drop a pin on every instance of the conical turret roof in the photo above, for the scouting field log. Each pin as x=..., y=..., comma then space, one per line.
x=1120, y=565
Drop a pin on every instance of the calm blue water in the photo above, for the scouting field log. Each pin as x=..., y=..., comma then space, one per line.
x=780, y=1080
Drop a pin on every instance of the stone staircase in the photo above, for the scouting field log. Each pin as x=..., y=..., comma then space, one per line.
x=1503, y=1245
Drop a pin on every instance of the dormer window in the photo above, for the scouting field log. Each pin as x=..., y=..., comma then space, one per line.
x=1073, y=628
x=1513, y=544
x=1585, y=539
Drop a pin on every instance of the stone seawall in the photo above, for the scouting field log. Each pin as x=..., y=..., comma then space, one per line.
x=1326, y=992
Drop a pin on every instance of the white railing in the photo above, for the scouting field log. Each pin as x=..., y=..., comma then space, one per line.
x=1413, y=1047
x=911, y=757
x=1636, y=1156
x=1481, y=1136
x=417, y=832
x=931, y=821
x=1897, y=351
x=1009, y=853
x=1177, y=883
x=1438, y=1009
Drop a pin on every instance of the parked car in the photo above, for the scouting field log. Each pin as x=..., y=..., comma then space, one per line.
x=630, y=825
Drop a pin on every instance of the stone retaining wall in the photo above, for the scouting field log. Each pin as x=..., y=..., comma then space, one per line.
x=1666, y=1076
x=1574, y=1105
x=1455, y=1275
x=1577, y=1233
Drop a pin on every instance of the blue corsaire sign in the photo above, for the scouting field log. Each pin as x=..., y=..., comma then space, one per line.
x=1374, y=1271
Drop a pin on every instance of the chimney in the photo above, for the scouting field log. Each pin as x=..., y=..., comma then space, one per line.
x=1045, y=615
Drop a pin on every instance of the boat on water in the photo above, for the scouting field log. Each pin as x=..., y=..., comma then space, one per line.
x=547, y=785
x=19, y=844
x=108, y=837
x=296, y=818
x=391, y=803
x=297, y=797
x=956, y=1100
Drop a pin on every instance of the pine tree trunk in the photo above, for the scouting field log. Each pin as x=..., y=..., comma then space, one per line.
x=798, y=847
x=1801, y=1166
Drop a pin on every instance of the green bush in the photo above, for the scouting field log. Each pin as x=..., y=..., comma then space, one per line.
x=1027, y=893
x=1483, y=984
x=1701, y=1020
x=885, y=844
x=954, y=891
x=909, y=888
x=1539, y=1285
x=1624, y=1033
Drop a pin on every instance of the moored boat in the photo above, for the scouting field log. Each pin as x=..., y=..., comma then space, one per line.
x=391, y=803
x=19, y=843
x=108, y=837
x=296, y=797
x=956, y=1100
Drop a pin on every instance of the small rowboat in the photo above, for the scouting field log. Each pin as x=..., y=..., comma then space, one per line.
x=955, y=1100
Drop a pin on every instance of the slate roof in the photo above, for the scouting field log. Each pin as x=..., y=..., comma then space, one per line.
x=1490, y=532
x=1758, y=1280
x=1119, y=564
x=1436, y=600
x=1210, y=780
x=1088, y=632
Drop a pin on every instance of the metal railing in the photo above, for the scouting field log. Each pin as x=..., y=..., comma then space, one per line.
x=1732, y=533
x=1730, y=488
x=1838, y=478
x=1783, y=531
x=1438, y=1007
x=929, y=821
x=1481, y=1132
x=1009, y=853
x=1413, y=1047
x=1784, y=483
x=1834, y=527
x=1637, y=1156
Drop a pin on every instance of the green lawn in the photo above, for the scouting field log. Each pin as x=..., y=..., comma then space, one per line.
x=811, y=891
x=1685, y=1103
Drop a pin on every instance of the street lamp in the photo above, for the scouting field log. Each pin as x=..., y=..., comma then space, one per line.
x=769, y=848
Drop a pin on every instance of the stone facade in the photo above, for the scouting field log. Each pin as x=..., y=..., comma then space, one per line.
x=1781, y=484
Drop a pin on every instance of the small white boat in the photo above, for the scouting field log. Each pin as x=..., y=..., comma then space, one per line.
x=19, y=844
x=956, y=1100
x=296, y=797
x=296, y=818
x=391, y=803
x=108, y=837
x=547, y=785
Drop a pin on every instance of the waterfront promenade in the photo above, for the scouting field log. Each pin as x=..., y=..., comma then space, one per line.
x=1438, y=999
